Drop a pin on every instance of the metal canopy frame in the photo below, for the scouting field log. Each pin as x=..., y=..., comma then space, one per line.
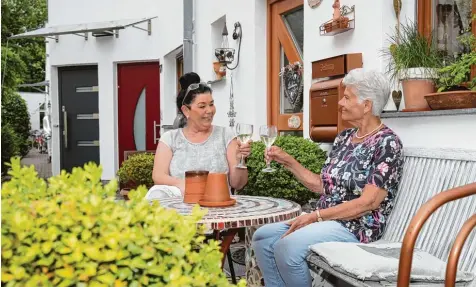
x=36, y=86
x=98, y=29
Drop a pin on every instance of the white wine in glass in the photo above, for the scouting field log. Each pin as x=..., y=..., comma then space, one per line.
x=268, y=135
x=245, y=132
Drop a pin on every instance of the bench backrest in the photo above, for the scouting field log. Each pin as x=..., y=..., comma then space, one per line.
x=426, y=173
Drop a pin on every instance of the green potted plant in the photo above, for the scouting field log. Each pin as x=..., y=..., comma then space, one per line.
x=456, y=90
x=136, y=170
x=282, y=183
x=413, y=60
x=72, y=232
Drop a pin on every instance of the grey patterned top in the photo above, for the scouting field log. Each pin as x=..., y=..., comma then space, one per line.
x=209, y=155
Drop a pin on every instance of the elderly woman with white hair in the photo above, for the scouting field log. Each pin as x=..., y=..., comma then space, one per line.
x=357, y=186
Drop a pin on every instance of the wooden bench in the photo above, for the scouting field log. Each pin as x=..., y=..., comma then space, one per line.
x=427, y=172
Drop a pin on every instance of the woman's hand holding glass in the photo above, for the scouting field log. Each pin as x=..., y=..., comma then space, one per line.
x=243, y=150
x=245, y=132
x=268, y=135
x=277, y=154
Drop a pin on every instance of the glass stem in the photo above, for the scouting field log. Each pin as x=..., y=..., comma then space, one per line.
x=242, y=160
x=268, y=162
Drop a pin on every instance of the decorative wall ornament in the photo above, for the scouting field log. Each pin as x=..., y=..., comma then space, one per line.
x=294, y=122
x=314, y=3
x=343, y=19
x=293, y=85
x=397, y=98
x=225, y=54
x=397, y=6
x=231, y=112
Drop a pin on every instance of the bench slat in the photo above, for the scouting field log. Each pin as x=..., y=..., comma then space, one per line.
x=422, y=179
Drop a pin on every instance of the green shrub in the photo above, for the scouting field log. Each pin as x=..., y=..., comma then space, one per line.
x=71, y=232
x=15, y=113
x=10, y=146
x=282, y=183
x=137, y=170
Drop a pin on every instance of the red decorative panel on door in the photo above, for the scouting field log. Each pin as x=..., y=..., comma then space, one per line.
x=138, y=107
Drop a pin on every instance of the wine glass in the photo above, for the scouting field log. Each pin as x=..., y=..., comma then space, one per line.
x=268, y=135
x=244, y=131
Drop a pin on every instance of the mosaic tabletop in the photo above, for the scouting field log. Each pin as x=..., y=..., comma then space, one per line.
x=248, y=211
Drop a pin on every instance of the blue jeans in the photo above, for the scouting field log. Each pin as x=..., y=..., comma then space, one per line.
x=283, y=261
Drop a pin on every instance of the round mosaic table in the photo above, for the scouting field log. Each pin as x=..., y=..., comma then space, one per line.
x=249, y=212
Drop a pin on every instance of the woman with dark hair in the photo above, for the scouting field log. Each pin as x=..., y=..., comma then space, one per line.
x=185, y=81
x=199, y=145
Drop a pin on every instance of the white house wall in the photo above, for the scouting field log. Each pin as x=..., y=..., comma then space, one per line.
x=249, y=79
x=132, y=45
x=34, y=101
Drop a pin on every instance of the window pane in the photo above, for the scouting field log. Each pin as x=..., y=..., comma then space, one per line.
x=295, y=23
x=139, y=122
x=451, y=20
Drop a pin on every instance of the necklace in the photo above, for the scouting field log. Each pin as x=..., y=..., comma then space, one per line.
x=366, y=135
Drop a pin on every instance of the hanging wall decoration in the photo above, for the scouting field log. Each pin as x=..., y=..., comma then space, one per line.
x=293, y=85
x=231, y=112
x=397, y=6
x=314, y=3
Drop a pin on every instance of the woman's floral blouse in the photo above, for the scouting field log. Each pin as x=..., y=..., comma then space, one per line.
x=378, y=160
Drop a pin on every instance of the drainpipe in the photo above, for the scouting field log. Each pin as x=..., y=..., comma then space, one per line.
x=179, y=121
x=187, y=36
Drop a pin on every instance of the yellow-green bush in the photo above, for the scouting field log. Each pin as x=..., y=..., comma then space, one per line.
x=71, y=232
x=137, y=170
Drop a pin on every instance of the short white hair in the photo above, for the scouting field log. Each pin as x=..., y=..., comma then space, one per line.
x=369, y=85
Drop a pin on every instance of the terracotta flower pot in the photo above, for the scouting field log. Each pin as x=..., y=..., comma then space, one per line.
x=195, y=183
x=220, y=71
x=414, y=92
x=416, y=84
x=217, y=193
x=452, y=100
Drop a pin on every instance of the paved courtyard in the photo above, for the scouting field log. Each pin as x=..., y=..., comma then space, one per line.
x=40, y=161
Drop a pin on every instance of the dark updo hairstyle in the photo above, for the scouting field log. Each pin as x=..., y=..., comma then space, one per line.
x=185, y=81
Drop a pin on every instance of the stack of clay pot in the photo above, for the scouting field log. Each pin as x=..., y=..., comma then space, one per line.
x=207, y=189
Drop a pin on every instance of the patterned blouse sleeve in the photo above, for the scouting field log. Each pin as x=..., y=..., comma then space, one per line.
x=385, y=171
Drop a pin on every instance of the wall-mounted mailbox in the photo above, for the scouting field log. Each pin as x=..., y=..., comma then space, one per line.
x=324, y=115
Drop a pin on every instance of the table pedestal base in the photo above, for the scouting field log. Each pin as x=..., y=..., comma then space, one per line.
x=254, y=278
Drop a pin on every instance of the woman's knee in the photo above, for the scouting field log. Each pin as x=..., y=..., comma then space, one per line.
x=269, y=231
x=289, y=252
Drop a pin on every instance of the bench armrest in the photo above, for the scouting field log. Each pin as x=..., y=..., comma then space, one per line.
x=408, y=245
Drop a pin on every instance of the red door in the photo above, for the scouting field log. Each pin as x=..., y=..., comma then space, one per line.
x=138, y=107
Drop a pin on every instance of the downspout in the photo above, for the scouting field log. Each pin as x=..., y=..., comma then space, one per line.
x=179, y=121
x=187, y=36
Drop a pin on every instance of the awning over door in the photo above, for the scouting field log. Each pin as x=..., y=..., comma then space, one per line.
x=98, y=29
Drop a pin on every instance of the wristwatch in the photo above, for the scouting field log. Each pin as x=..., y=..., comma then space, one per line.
x=318, y=214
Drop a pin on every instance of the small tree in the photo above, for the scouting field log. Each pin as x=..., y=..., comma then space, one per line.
x=9, y=145
x=15, y=113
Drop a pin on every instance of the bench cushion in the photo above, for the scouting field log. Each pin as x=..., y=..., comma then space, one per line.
x=379, y=262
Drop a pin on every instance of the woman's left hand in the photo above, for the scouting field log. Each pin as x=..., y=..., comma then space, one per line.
x=243, y=149
x=300, y=222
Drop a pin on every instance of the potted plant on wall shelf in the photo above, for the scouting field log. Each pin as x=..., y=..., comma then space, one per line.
x=455, y=89
x=413, y=60
x=220, y=70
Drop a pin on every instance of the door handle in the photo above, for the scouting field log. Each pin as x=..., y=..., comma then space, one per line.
x=65, y=125
x=156, y=139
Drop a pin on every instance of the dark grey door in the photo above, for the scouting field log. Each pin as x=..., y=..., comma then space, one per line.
x=79, y=116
